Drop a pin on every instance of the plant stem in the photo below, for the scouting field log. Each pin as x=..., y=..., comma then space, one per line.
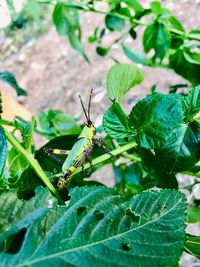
x=5, y=122
x=33, y=163
x=105, y=157
x=128, y=18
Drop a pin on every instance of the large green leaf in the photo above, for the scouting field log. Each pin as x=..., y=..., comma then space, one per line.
x=156, y=36
x=155, y=117
x=120, y=79
x=3, y=150
x=193, y=245
x=98, y=227
x=191, y=103
x=181, y=149
x=193, y=214
x=9, y=78
x=115, y=123
x=61, y=19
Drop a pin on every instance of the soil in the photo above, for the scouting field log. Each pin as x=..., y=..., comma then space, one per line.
x=54, y=74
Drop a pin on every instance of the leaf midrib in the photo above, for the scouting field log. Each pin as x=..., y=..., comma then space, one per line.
x=96, y=243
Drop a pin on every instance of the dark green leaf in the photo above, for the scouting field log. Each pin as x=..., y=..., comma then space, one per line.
x=193, y=214
x=155, y=117
x=9, y=78
x=102, y=51
x=135, y=56
x=163, y=177
x=133, y=33
x=191, y=103
x=156, y=36
x=176, y=41
x=56, y=122
x=98, y=227
x=115, y=123
x=181, y=149
x=184, y=68
x=120, y=79
x=193, y=245
x=114, y=23
x=3, y=151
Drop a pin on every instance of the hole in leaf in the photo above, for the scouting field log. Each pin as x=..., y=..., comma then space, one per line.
x=134, y=218
x=165, y=207
x=99, y=215
x=80, y=210
x=14, y=242
x=126, y=246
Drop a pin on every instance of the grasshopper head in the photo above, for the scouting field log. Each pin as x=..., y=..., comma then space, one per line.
x=90, y=125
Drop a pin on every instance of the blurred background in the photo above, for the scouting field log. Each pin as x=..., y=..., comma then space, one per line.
x=44, y=62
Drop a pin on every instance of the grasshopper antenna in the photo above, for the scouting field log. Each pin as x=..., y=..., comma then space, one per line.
x=90, y=99
x=83, y=108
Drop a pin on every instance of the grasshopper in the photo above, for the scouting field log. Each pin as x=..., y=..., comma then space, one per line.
x=81, y=150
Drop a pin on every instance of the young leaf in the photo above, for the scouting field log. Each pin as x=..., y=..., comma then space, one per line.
x=191, y=57
x=75, y=42
x=135, y=56
x=3, y=150
x=193, y=245
x=98, y=227
x=155, y=117
x=114, y=23
x=26, y=129
x=156, y=36
x=120, y=79
x=191, y=103
x=17, y=164
x=9, y=78
x=56, y=122
x=115, y=123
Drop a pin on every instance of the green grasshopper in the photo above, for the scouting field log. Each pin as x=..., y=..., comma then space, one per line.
x=81, y=150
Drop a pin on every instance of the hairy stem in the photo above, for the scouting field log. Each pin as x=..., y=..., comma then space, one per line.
x=33, y=163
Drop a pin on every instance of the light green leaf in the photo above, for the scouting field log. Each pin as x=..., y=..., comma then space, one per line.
x=98, y=227
x=61, y=20
x=115, y=123
x=9, y=78
x=120, y=79
x=193, y=245
x=114, y=23
x=191, y=57
x=193, y=214
x=191, y=103
x=155, y=117
x=135, y=55
x=56, y=122
x=3, y=150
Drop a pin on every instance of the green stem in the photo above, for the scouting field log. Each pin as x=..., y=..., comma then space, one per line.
x=103, y=158
x=33, y=163
x=5, y=122
x=131, y=157
x=130, y=19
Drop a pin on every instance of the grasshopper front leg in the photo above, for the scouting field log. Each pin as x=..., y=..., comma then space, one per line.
x=102, y=144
